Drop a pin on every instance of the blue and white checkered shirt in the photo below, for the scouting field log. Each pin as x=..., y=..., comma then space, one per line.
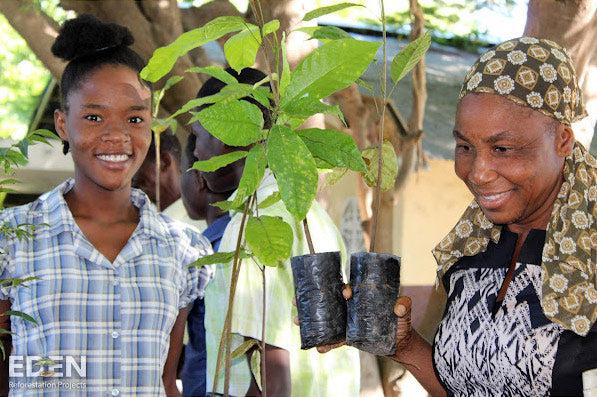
x=118, y=316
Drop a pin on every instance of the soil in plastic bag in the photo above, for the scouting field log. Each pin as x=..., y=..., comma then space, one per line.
x=375, y=281
x=320, y=304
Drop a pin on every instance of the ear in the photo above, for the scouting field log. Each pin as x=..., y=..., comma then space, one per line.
x=60, y=124
x=564, y=140
x=166, y=161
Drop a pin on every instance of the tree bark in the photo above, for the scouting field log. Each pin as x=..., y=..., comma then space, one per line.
x=572, y=24
x=37, y=28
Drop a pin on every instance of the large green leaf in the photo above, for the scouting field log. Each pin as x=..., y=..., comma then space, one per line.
x=235, y=122
x=325, y=32
x=217, y=162
x=241, y=49
x=334, y=147
x=270, y=239
x=329, y=68
x=328, y=10
x=270, y=200
x=249, y=182
x=164, y=58
x=294, y=169
x=389, y=169
x=253, y=173
x=285, y=77
x=410, y=55
x=214, y=71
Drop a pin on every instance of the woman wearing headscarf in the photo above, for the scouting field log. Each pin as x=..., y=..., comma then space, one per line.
x=519, y=267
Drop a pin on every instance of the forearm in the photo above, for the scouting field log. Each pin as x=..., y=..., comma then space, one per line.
x=176, y=345
x=416, y=356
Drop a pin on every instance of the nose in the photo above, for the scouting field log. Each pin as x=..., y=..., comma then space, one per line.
x=482, y=170
x=116, y=132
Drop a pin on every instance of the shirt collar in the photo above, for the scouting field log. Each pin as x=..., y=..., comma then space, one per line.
x=215, y=231
x=57, y=216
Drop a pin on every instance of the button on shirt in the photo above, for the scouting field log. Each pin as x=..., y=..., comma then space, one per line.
x=116, y=316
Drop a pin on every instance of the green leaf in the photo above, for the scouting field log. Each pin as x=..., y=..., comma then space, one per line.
x=270, y=200
x=253, y=172
x=227, y=205
x=43, y=133
x=334, y=147
x=256, y=367
x=285, y=77
x=22, y=315
x=235, y=122
x=325, y=32
x=294, y=169
x=270, y=239
x=389, y=169
x=217, y=162
x=329, y=68
x=365, y=84
x=23, y=146
x=262, y=95
x=215, y=71
x=271, y=27
x=241, y=49
x=410, y=55
x=164, y=58
x=229, y=92
x=328, y=10
x=303, y=108
x=243, y=348
x=218, y=258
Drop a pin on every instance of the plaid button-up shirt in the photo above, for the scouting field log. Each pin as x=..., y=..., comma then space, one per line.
x=116, y=317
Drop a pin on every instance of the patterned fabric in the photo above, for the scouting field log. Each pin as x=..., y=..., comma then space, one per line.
x=511, y=352
x=336, y=373
x=118, y=315
x=535, y=73
x=569, y=274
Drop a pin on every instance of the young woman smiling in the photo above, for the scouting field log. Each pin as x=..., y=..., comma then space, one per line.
x=111, y=283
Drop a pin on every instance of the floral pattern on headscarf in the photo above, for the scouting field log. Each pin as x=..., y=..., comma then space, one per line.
x=569, y=260
x=535, y=73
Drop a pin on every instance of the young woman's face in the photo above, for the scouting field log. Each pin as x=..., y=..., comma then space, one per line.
x=107, y=125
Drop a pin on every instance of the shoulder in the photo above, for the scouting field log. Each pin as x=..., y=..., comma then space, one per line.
x=183, y=232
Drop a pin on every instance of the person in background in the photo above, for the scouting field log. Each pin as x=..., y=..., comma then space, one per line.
x=197, y=199
x=290, y=370
x=108, y=275
x=170, y=172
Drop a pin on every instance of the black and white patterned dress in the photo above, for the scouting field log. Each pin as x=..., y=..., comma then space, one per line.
x=513, y=349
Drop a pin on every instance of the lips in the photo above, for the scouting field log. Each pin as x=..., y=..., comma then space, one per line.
x=492, y=200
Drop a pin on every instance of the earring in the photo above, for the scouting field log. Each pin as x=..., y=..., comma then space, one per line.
x=65, y=147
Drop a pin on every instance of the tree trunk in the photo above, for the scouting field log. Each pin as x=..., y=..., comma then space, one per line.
x=573, y=24
x=38, y=29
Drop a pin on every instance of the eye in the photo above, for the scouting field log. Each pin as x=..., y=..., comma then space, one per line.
x=501, y=149
x=93, y=117
x=135, y=120
x=463, y=147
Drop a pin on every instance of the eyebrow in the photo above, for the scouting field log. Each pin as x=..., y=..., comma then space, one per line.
x=492, y=139
x=98, y=106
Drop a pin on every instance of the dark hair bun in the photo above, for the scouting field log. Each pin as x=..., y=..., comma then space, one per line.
x=86, y=34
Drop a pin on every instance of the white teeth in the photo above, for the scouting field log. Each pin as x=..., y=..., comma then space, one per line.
x=113, y=158
x=494, y=197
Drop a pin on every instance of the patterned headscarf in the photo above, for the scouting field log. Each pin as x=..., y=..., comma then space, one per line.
x=569, y=274
x=535, y=73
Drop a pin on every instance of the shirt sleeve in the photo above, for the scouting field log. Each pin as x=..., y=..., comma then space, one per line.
x=195, y=279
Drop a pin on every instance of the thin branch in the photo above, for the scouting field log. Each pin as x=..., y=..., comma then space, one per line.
x=384, y=82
